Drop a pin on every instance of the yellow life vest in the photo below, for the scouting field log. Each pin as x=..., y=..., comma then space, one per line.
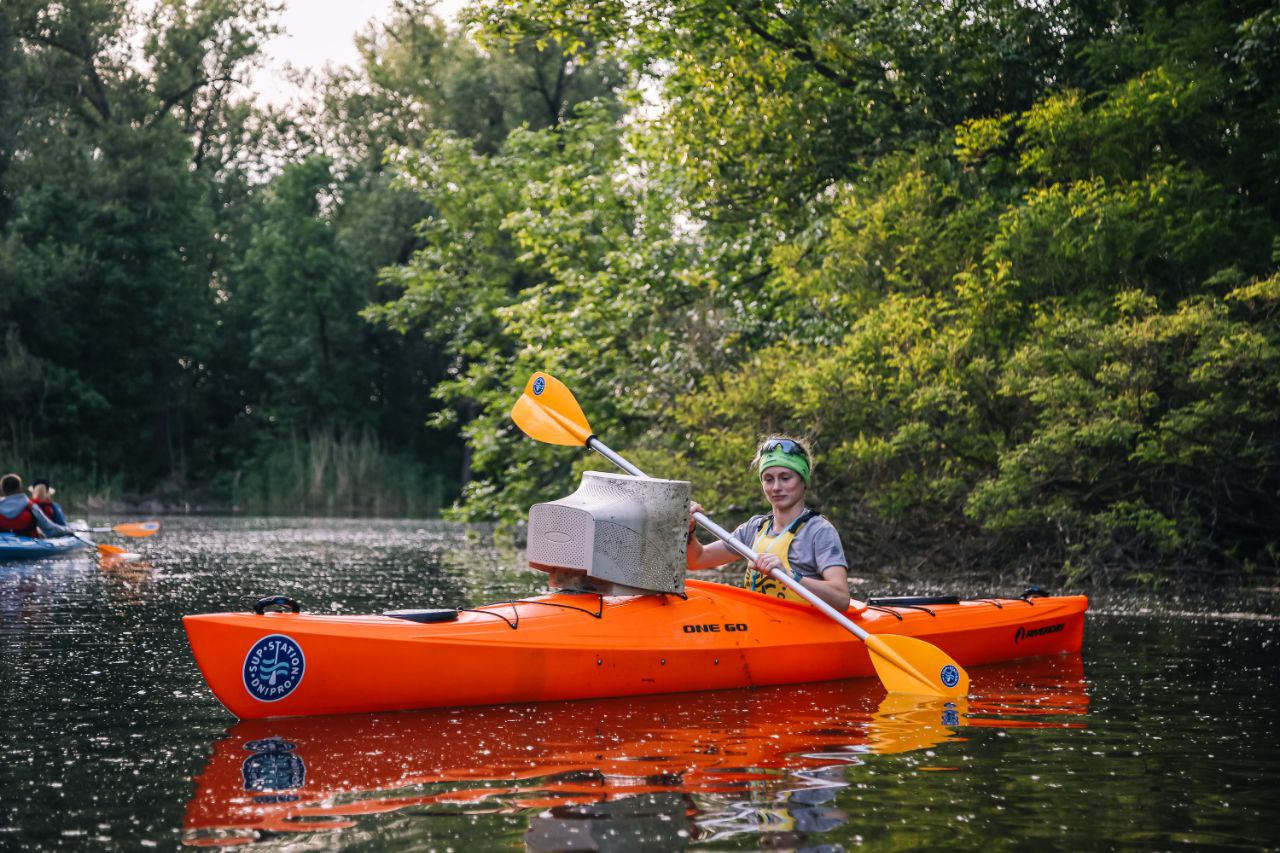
x=779, y=545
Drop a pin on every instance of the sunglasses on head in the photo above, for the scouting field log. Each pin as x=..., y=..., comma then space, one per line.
x=786, y=445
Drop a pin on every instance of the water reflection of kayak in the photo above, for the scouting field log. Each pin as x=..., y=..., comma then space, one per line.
x=590, y=765
x=14, y=547
x=580, y=646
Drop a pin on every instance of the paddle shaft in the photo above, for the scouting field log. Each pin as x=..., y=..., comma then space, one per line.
x=89, y=542
x=109, y=550
x=742, y=550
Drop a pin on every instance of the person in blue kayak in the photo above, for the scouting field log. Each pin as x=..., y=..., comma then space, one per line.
x=42, y=496
x=791, y=537
x=19, y=514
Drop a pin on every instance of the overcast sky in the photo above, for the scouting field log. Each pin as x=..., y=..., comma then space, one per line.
x=318, y=32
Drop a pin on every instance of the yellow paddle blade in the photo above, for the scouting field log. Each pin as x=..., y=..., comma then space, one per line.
x=909, y=665
x=137, y=529
x=548, y=412
x=111, y=550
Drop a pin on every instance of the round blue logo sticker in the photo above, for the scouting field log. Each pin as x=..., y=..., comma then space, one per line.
x=539, y=385
x=273, y=668
x=950, y=675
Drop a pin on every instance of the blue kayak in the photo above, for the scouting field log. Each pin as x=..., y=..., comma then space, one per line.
x=14, y=547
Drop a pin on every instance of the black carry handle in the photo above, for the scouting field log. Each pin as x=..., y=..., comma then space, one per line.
x=283, y=602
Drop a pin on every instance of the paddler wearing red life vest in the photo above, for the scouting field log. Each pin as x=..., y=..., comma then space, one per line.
x=19, y=514
x=791, y=537
x=42, y=496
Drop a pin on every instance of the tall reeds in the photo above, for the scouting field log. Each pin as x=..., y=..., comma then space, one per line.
x=335, y=473
x=79, y=487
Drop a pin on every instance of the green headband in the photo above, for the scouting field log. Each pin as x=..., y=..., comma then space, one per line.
x=780, y=458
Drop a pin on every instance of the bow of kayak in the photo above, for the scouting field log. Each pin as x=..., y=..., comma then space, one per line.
x=584, y=646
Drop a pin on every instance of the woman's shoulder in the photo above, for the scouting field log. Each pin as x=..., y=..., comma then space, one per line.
x=818, y=523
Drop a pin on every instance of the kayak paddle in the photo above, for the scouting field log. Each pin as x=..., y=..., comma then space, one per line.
x=548, y=412
x=136, y=529
x=105, y=550
x=113, y=551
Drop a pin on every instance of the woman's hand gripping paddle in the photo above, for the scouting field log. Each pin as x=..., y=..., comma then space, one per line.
x=548, y=412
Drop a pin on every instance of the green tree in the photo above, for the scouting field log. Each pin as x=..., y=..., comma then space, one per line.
x=104, y=245
x=869, y=224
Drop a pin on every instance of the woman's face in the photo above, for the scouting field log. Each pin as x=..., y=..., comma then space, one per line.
x=782, y=487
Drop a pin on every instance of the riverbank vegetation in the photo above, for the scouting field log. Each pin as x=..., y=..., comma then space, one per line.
x=1012, y=269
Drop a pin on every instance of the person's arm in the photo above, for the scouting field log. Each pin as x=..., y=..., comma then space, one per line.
x=47, y=527
x=58, y=516
x=832, y=587
x=828, y=552
x=698, y=556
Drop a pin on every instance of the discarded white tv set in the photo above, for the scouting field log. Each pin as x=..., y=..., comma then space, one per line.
x=616, y=535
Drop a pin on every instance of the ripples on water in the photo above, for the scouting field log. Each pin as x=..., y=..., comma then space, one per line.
x=1159, y=735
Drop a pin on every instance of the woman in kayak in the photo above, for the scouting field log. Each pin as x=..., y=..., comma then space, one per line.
x=42, y=496
x=20, y=515
x=792, y=537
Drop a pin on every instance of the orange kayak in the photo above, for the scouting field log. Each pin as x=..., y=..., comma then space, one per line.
x=585, y=646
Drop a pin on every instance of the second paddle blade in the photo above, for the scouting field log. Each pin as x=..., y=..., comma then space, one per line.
x=910, y=665
x=137, y=529
x=548, y=412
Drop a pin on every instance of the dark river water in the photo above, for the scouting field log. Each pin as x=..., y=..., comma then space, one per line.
x=1161, y=735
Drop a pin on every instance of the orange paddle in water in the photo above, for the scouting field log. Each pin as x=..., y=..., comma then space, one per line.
x=548, y=412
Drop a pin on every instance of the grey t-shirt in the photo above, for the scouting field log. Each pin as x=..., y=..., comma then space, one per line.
x=816, y=546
